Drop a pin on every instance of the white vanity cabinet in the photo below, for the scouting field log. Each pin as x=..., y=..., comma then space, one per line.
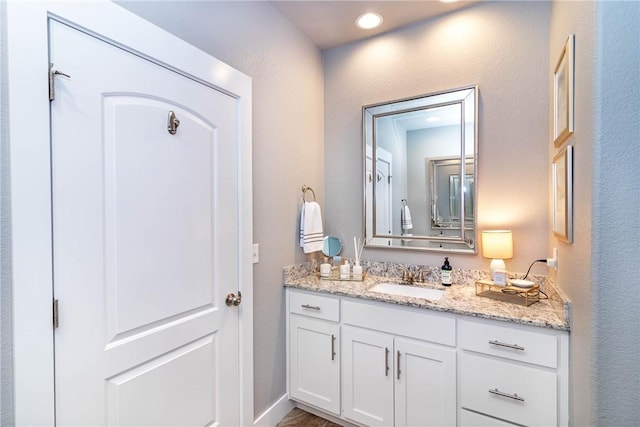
x=314, y=350
x=382, y=364
x=512, y=373
x=398, y=366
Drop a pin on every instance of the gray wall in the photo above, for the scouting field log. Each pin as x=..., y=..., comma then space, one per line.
x=601, y=267
x=616, y=222
x=575, y=272
x=6, y=357
x=502, y=47
x=288, y=135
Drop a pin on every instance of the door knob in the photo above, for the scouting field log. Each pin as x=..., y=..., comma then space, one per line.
x=233, y=300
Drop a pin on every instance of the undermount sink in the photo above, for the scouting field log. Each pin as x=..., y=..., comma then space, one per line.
x=408, y=291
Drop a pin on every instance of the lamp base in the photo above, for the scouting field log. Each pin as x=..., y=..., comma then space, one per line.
x=496, y=264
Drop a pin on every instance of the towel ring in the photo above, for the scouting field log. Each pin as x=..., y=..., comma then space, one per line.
x=304, y=193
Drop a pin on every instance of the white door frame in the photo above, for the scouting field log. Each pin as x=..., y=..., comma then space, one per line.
x=29, y=136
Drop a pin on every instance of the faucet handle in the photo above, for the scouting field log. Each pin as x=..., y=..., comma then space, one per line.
x=420, y=276
x=407, y=275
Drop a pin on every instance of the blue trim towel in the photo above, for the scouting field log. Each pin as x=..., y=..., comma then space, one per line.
x=311, y=237
x=405, y=218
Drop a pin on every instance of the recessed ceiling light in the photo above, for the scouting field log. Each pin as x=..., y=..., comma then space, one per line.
x=447, y=1
x=369, y=20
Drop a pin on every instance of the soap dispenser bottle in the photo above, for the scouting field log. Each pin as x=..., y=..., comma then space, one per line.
x=445, y=272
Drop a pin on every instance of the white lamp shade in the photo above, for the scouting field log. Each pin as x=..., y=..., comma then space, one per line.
x=497, y=244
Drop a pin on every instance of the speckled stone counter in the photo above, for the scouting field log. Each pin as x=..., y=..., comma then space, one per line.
x=460, y=298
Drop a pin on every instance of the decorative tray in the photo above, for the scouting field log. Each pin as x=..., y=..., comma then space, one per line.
x=335, y=275
x=506, y=293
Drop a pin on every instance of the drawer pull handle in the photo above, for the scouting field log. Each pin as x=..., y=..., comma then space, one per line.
x=311, y=307
x=333, y=347
x=502, y=344
x=398, y=367
x=513, y=396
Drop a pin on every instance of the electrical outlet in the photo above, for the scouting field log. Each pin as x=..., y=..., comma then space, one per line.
x=256, y=253
x=553, y=262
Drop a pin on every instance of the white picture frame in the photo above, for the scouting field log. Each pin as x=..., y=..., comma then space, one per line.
x=563, y=93
x=562, y=181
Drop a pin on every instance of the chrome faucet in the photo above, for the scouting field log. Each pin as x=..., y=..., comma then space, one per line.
x=407, y=275
x=420, y=276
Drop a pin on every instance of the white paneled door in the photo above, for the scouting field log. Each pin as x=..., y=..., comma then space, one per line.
x=145, y=240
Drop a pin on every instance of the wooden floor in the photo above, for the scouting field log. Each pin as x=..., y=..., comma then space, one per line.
x=299, y=418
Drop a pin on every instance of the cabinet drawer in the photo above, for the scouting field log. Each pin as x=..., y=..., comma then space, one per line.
x=506, y=390
x=473, y=419
x=314, y=305
x=404, y=322
x=510, y=342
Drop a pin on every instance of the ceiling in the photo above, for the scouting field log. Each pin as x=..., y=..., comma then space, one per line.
x=329, y=24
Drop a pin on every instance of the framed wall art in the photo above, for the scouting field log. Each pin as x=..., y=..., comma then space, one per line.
x=563, y=88
x=562, y=179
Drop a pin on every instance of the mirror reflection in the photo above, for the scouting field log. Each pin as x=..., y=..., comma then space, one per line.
x=446, y=193
x=331, y=246
x=420, y=172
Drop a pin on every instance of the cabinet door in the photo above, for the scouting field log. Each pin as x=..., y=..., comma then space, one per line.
x=367, y=395
x=315, y=362
x=425, y=384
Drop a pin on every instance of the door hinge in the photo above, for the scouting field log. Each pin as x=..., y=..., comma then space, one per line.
x=52, y=75
x=56, y=317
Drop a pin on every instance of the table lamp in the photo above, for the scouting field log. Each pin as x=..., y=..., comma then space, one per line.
x=497, y=245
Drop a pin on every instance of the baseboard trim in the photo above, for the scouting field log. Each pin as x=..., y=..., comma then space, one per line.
x=276, y=412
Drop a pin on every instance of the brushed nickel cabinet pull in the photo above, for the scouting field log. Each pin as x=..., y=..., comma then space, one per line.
x=386, y=362
x=333, y=347
x=398, y=367
x=311, y=307
x=513, y=396
x=502, y=344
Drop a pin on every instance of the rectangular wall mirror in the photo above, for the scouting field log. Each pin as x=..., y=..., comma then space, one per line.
x=420, y=183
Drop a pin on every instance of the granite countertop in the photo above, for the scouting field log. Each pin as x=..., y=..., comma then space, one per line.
x=460, y=298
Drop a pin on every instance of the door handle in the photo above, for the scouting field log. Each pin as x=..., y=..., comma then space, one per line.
x=233, y=300
x=386, y=362
x=333, y=347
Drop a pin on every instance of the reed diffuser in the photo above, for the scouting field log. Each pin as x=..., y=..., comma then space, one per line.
x=357, y=268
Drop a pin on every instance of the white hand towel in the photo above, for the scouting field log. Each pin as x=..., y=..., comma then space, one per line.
x=311, y=237
x=405, y=218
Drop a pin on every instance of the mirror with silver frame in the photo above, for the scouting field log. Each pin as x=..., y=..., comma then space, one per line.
x=420, y=183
